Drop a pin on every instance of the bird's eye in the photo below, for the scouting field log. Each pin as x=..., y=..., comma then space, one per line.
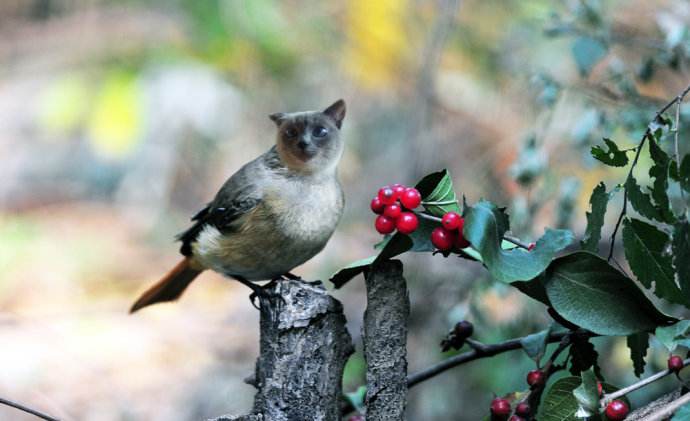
x=290, y=132
x=319, y=131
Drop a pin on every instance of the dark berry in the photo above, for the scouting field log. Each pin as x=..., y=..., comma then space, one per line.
x=515, y=418
x=442, y=239
x=411, y=198
x=451, y=220
x=675, y=363
x=398, y=190
x=384, y=224
x=392, y=211
x=522, y=409
x=463, y=329
x=536, y=378
x=617, y=410
x=407, y=222
x=531, y=246
x=376, y=205
x=387, y=195
x=600, y=388
x=500, y=407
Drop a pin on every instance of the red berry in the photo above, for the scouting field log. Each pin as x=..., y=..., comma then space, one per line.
x=384, y=224
x=442, y=239
x=398, y=190
x=376, y=205
x=411, y=198
x=675, y=363
x=451, y=220
x=531, y=246
x=407, y=222
x=536, y=378
x=500, y=407
x=392, y=211
x=515, y=418
x=523, y=409
x=600, y=388
x=616, y=410
x=387, y=195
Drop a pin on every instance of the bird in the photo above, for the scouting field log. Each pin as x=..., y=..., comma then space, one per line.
x=274, y=214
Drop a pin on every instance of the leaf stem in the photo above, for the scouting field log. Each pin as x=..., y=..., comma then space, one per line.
x=27, y=410
x=642, y=383
x=677, y=100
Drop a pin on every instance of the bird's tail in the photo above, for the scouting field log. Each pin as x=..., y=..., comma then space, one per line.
x=170, y=287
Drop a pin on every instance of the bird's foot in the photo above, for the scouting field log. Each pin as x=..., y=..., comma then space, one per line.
x=299, y=278
x=259, y=291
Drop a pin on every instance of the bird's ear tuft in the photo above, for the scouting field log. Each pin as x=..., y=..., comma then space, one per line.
x=277, y=118
x=337, y=112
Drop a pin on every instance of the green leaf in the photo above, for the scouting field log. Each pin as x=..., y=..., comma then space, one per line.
x=485, y=225
x=680, y=248
x=587, y=52
x=613, y=157
x=356, y=398
x=438, y=196
x=595, y=219
x=641, y=201
x=587, y=394
x=638, y=344
x=645, y=251
x=684, y=174
x=659, y=171
x=587, y=291
x=682, y=414
x=674, y=335
x=583, y=356
x=559, y=402
x=535, y=344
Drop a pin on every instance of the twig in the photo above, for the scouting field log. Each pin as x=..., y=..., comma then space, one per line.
x=676, y=129
x=478, y=351
x=27, y=409
x=506, y=237
x=670, y=409
x=647, y=133
x=642, y=383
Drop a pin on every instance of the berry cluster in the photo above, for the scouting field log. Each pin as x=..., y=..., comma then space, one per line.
x=500, y=410
x=449, y=234
x=393, y=205
x=456, y=337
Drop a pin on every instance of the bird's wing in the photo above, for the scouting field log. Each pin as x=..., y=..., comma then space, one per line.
x=239, y=195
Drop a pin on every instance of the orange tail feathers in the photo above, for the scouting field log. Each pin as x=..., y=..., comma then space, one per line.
x=170, y=287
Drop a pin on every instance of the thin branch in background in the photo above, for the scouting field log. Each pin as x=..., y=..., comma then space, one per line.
x=647, y=134
x=676, y=129
x=478, y=351
x=28, y=410
x=638, y=385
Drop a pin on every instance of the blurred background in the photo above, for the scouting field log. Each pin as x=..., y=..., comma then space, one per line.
x=120, y=119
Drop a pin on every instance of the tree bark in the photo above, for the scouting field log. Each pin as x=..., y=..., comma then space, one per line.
x=303, y=350
x=385, y=340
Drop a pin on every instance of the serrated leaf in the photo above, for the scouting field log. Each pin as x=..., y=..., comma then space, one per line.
x=673, y=336
x=583, y=356
x=680, y=247
x=587, y=394
x=645, y=248
x=587, y=52
x=595, y=219
x=485, y=225
x=613, y=157
x=559, y=403
x=638, y=344
x=587, y=291
x=641, y=201
x=659, y=171
x=438, y=195
x=535, y=344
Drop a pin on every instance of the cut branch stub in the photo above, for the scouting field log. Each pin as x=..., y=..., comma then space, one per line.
x=385, y=337
x=303, y=350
